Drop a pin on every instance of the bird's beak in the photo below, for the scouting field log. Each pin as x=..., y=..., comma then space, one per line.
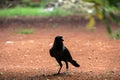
x=62, y=40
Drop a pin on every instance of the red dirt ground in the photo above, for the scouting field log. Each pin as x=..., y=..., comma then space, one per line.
x=26, y=57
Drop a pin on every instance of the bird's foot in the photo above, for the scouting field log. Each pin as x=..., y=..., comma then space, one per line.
x=66, y=73
x=56, y=74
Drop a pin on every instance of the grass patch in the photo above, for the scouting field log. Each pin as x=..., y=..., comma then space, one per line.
x=20, y=11
x=116, y=34
x=60, y=12
x=25, y=31
x=28, y=11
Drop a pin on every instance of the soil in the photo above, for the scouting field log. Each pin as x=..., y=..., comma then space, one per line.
x=26, y=56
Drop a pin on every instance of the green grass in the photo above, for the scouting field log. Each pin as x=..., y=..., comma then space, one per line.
x=25, y=31
x=19, y=11
x=116, y=34
x=28, y=11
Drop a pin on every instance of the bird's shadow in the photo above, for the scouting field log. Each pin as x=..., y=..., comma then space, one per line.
x=60, y=74
x=44, y=77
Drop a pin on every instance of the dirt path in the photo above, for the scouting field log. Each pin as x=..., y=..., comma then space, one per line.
x=27, y=56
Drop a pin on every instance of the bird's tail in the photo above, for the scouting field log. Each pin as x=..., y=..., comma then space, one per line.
x=74, y=63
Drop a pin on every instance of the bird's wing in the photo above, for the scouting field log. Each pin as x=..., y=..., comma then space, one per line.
x=67, y=53
x=51, y=52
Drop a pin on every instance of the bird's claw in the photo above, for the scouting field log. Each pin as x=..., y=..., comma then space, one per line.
x=56, y=74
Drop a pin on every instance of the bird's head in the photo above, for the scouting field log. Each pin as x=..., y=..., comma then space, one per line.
x=59, y=38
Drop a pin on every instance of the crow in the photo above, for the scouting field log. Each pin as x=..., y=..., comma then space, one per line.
x=61, y=53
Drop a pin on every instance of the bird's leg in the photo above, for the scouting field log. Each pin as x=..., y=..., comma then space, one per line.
x=66, y=67
x=59, y=70
x=60, y=67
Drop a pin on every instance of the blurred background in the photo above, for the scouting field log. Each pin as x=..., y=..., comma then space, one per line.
x=91, y=30
x=103, y=10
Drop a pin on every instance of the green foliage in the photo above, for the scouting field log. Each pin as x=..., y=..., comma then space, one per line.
x=101, y=11
x=116, y=34
x=98, y=2
x=90, y=25
x=108, y=27
x=26, y=1
x=25, y=31
x=44, y=2
x=114, y=18
x=31, y=3
x=9, y=3
x=115, y=3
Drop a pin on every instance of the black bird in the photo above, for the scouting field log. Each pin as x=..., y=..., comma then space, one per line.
x=61, y=53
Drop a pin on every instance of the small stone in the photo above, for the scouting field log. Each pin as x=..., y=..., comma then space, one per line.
x=89, y=57
x=9, y=42
x=1, y=73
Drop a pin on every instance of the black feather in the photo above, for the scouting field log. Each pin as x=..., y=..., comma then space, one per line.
x=61, y=53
